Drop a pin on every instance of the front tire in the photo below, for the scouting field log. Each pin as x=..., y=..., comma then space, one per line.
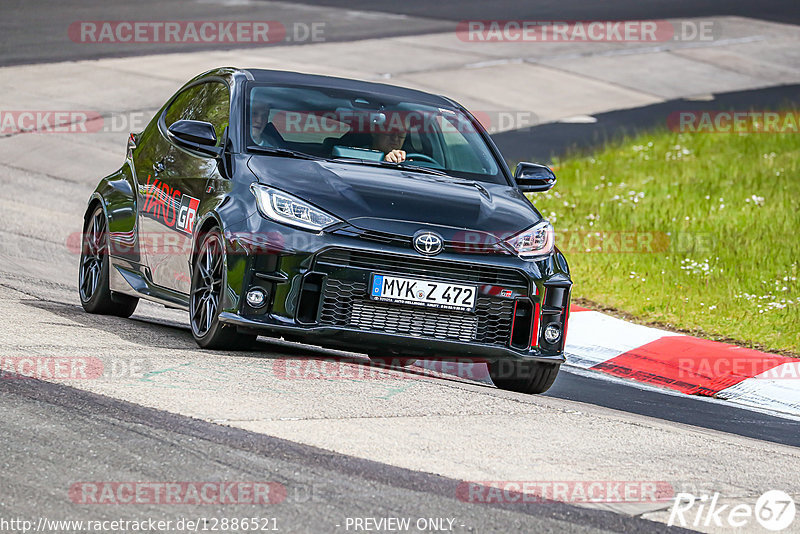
x=523, y=377
x=96, y=297
x=208, y=281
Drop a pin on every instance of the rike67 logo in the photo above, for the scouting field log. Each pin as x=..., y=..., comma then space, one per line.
x=774, y=510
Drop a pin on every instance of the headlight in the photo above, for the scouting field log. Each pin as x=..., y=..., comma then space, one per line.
x=537, y=240
x=287, y=209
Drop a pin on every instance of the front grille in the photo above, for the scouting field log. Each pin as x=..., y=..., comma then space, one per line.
x=346, y=303
x=484, y=245
x=418, y=323
x=419, y=266
x=384, y=238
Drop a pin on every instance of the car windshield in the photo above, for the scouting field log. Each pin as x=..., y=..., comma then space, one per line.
x=362, y=127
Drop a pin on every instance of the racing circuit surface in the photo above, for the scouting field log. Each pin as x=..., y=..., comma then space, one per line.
x=344, y=439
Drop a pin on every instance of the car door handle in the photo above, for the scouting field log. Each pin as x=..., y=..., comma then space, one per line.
x=158, y=166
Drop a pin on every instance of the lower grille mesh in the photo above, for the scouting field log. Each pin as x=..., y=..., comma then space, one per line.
x=418, y=323
x=345, y=303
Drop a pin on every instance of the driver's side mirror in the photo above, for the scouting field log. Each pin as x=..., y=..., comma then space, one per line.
x=199, y=136
x=533, y=177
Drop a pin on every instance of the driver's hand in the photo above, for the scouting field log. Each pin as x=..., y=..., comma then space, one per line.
x=395, y=156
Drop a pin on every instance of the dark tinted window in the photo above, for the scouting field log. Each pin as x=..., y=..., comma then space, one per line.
x=344, y=124
x=209, y=102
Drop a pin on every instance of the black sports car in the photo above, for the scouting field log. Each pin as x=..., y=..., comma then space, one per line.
x=334, y=212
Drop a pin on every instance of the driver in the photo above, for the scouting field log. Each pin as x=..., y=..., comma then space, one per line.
x=262, y=131
x=390, y=143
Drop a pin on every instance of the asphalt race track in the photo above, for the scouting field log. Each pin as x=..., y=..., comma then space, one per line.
x=364, y=442
x=345, y=20
x=541, y=143
x=323, y=488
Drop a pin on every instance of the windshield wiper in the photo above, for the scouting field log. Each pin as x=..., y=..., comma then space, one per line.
x=285, y=152
x=390, y=165
x=417, y=168
x=482, y=190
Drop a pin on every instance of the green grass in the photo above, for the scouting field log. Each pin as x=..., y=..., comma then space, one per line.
x=723, y=212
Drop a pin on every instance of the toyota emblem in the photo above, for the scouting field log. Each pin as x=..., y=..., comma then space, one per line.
x=428, y=243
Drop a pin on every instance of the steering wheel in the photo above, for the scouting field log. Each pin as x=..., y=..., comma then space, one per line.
x=421, y=157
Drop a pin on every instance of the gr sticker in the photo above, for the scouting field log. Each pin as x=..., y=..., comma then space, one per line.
x=187, y=213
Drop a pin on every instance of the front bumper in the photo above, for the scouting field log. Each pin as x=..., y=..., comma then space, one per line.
x=385, y=344
x=317, y=294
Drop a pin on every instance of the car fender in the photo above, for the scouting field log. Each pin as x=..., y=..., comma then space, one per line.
x=117, y=194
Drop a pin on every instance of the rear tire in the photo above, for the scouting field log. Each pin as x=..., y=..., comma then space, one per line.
x=96, y=297
x=523, y=377
x=205, y=298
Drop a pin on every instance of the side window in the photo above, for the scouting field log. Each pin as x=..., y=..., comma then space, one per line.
x=209, y=102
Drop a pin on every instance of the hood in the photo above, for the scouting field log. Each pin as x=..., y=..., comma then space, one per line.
x=398, y=201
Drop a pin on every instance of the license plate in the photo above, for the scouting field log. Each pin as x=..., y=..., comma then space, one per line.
x=427, y=293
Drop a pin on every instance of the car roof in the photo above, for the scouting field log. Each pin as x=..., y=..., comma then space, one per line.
x=315, y=80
